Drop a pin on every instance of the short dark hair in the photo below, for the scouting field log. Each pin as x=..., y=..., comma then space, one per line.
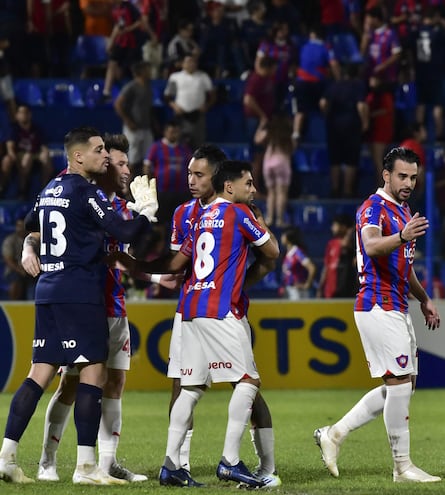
x=79, y=135
x=116, y=142
x=138, y=67
x=399, y=153
x=229, y=170
x=294, y=236
x=343, y=219
x=210, y=152
x=376, y=12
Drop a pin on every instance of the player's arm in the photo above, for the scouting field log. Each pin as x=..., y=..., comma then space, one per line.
x=429, y=310
x=30, y=259
x=376, y=244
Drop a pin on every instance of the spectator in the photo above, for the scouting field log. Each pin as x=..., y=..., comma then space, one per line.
x=134, y=105
x=381, y=123
x=316, y=61
x=155, y=19
x=50, y=32
x=25, y=147
x=124, y=45
x=339, y=275
x=181, y=44
x=298, y=270
x=97, y=17
x=347, y=118
x=277, y=166
x=259, y=106
x=429, y=56
x=190, y=94
x=285, y=11
x=380, y=48
x=7, y=94
x=254, y=30
x=20, y=285
x=279, y=46
x=221, y=56
x=167, y=161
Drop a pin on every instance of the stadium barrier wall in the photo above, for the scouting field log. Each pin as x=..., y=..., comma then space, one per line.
x=311, y=345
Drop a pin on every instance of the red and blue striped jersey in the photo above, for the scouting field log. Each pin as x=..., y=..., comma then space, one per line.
x=383, y=279
x=218, y=247
x=114, y=289
x=169, y=164
x=293, y=270
x=384, y=43
x=183, y=219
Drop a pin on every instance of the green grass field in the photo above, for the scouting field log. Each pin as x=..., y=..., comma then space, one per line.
x=365, y=461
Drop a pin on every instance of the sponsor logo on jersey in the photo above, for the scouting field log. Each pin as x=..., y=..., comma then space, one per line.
x=55, y=191
x=209, y=223
x=217, y=365
x=96, y=207
x=210, y=284
x=408, y=253
x=52, y=267
x=60, y=202
x=69, y=344
x=38, y=342
x=186, y=371
x=252, y=227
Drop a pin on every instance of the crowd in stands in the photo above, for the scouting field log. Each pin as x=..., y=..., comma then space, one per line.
x=373, y=70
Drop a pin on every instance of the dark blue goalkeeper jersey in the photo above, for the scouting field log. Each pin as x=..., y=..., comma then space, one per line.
x=72, y=216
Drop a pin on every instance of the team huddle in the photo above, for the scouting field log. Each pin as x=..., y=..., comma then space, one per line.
x=220, y=246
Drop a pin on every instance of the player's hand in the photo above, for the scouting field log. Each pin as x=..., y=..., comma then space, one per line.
x=121, y=261
x=145, y=197
x=432, y=317
x=415, y=228
x=30, y=261
x=172, y=281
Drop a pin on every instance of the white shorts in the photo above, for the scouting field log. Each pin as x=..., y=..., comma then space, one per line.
x=216, y=351
x=389, y=342
x=174, y=353
x=119, y=350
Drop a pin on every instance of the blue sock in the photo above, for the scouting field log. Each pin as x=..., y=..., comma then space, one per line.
x=22, y=408
x=87, y=412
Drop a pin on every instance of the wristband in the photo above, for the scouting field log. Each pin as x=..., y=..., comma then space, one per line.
x=402, y=240
x=155, y=278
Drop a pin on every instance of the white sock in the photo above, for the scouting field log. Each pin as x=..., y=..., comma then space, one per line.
x=109, y=431
x=9, y=448
x=264, y=443
x=184, y=452
x=180, y=417
x=86, y=455
x=396, y=418
x=240, y=410
x=56, y=419
x=366, y=409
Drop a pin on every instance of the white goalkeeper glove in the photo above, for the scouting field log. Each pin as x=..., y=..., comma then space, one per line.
x=145, y=197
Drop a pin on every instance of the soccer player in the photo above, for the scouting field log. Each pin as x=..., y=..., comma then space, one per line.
x=200, y=171
x=386, y=242
x=72, y=214
x=216, y=338
x=118, y=362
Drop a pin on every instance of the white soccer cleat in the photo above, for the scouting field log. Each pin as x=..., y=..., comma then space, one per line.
x=270, y=480
x=328, y=448
x=47, y=472
x=413, y=474
x=10, y=472
x=90, y=474
x=122, y=473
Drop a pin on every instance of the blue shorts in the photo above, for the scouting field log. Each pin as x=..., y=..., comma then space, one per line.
x=70, y=334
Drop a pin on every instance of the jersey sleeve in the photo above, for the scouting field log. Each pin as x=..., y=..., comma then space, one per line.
x=249, y=226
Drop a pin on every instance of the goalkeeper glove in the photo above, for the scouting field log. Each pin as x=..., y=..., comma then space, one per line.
x=145, y=197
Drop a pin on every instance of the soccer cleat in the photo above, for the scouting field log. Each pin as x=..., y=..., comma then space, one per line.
x=90, y=474
x=11, y=473
x=270, y=480
x=122, y=473
x=329, y=449
x=239, y=473
x=413, y=474
x=177, y=477
x=47, y=472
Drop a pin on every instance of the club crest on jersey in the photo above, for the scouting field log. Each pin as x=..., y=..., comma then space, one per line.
x=402, y=360
x=368, y=212
x=101, y=195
